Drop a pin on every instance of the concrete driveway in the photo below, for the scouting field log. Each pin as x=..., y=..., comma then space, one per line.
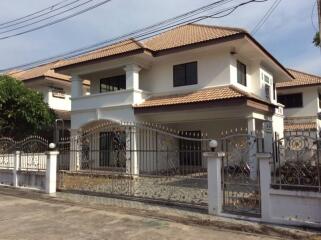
x=22, y=218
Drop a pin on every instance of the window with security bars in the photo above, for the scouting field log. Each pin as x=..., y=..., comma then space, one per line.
x=114, y=83
x=294, y=100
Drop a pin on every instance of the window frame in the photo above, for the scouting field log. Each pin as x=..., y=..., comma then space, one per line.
x=186, y=79
x=116, y=78
x=238, y=80
x=293, y=95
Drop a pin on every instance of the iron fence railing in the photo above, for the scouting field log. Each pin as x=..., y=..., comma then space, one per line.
x=296, y=162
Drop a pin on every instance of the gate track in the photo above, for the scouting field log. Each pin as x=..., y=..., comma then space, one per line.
x=202, y=220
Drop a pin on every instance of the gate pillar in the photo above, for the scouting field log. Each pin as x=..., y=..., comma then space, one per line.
x=214, y=178
x=132, y=164
x=265, y=181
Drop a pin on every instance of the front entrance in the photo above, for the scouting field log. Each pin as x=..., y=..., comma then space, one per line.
x=138, y=161
x=240, y=175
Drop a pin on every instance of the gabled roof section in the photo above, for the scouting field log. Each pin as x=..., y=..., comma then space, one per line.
x=45, y=70
x=301, y=79
x=187, y=35
x=108, y=51
x=177, y=37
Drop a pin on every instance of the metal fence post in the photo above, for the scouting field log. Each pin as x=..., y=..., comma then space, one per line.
x=214, y=179
x=51, y=171
x=16, y=166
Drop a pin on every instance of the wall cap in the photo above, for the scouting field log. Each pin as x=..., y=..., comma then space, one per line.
x=214, y=154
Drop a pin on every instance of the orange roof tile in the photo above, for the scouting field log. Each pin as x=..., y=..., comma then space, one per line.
x=300, y=126
x=177, y=37
x=204, y=95
x=45, y=70
x=301, y=79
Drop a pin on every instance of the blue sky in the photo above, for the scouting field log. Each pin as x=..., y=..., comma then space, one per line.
x=287, y=34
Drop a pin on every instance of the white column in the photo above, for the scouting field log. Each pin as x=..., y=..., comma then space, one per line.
x=132, y=76
x=265, y=181
x=51, y=171
x=75, y=150
x=76, y=86
x=132, y=164
x=214, y=162
x=16, y=167
x=252, y=160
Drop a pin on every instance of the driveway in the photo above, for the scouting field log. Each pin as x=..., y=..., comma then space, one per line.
x=23, y=218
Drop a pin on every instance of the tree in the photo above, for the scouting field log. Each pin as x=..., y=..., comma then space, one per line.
x=22, y=111
x=316, y=40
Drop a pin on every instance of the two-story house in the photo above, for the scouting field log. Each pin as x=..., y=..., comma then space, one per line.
x=301, y=100
x=55, y=88
x=193, y=77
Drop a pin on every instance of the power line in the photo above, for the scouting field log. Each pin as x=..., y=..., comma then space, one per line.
x=58, y=20
x=32, y=14
x=35, y=16
x=133, y=34
x=265, y=17
x=142, y=35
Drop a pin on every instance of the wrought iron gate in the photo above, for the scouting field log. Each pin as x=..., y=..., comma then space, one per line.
x=240, y=174
x=136, y=160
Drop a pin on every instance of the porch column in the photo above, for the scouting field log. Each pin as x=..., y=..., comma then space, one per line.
x=132, y=164
x=132, y=76
x=252, y=160
x=75, y=151
x=76, y=86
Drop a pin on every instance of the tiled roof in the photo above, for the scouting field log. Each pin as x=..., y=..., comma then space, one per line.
x=301, y=79
x=177, y=37
x=45, y=70
x=111, y=50
x=188, y=34
x=300, y=126
x=204, y=95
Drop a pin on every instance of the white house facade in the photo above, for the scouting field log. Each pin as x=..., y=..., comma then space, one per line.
x=206, y=78
x=301, y=100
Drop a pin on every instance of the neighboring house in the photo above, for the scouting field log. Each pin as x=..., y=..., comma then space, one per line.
x=55, y=88
x=195, y=78
x=301, y=98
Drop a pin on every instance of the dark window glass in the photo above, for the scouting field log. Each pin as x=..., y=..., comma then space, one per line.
x=319, y=100
x=274, y=91
x=294, y=100
x=190, y=151
x=111, y=147
x=115, y=83
x=185, y=74
x=241, y=73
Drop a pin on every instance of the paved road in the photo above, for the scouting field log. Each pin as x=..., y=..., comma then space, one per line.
x=22, y=218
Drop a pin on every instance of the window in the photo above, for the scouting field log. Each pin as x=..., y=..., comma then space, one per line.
x=294, y=100
x=319, y=100
x=111, y=147
x=185, y=74
x=274, y=91
x=58, y=93
x=111, y=84
x=241, y=73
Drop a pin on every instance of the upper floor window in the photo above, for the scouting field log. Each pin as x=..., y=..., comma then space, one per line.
x=185, y=74
x=114, y=83
x=241, y=73
x=58, y=93
x=294, y=100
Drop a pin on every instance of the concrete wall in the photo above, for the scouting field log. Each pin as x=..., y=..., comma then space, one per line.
x=295, y=207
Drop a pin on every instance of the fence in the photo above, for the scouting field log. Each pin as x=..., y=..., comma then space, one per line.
x=25, y=163
x=297, y=164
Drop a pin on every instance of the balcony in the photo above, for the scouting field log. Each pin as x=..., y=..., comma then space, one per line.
x=126, y=97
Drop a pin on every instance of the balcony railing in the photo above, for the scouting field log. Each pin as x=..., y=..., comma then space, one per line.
x=108, y=99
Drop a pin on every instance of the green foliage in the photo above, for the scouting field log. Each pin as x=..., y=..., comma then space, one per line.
x=316, y=40
x=22, y=111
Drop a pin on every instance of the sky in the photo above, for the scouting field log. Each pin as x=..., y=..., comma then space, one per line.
x=287, y=34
